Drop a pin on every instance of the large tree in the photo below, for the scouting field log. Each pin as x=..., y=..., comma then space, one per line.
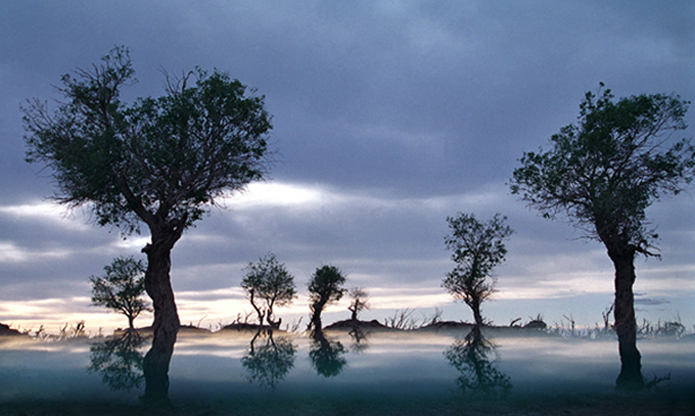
x=121, y=288
x=325, y=286
x=268, y=284
x=477, y=247
x=159, y=161
x=602, y=173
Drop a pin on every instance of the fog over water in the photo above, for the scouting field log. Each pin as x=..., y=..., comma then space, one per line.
x=412, y=371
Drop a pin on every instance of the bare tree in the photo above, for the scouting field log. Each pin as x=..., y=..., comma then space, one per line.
x=359, y=301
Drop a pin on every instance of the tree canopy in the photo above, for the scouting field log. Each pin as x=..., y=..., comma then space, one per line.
x=325, y=286
x=477, y=247
x=121, y=288
x=268, y=284
x=156, y=160
x=604, y=171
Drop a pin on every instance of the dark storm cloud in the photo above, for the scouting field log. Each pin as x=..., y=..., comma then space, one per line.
x=396, y=113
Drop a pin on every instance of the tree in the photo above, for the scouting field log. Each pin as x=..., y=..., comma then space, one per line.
x=268, y=284
x=602, y=173
x=359, y=302
x=477, y=247
x=121, y=288
x=159, y=161
x=325, y=287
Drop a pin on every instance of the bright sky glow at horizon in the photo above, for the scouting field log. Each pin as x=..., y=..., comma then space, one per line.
x=388, y=117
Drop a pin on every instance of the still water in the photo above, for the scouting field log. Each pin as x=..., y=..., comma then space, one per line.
x=413, y=372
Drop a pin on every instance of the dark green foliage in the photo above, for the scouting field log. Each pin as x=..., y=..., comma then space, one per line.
x=477, y=247
x=604, y=171
x=325, y=286
x=268, y=284
x=162, y=161
x=121, y=288
x=157, y=159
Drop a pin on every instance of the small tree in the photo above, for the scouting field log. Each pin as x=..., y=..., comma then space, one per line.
x=359, y=301
x=602, y=173
x=325, y=287
x=121, y=288
x=159, y=161
x=477, y=248
x=268, y=284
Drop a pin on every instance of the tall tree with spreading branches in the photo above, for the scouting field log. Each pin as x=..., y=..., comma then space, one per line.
x=159, y=161
x=477, y=247
x=601, y=174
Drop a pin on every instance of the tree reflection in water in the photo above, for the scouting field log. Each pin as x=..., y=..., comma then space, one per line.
x=479, y=376
x=155, y=366
x=326, y=355
x=268, y=364
x=359, y=339
x=119, y=361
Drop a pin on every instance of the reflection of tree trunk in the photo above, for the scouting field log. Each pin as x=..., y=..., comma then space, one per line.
x=625, y=323
x=158, y=282
x=156, y=369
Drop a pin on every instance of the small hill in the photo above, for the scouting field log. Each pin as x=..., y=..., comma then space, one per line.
x=349, y=324
x=5, y=330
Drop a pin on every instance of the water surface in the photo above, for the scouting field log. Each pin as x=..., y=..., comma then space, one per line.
x=415, y=372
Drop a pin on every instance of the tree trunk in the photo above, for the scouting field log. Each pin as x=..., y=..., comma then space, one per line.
x=630, y=377
x=131, y=324
x=158, y=281
x=317, y=308
x=475, y=306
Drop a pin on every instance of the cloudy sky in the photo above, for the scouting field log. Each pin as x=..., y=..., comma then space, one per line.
x=388, y=117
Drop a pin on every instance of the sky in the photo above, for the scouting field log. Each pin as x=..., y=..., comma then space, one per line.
x=389, y=117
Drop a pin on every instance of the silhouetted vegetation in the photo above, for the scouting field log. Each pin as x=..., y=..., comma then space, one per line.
x=161, y=161
x=359, y=301
x=477, y=247
x=602, y=174
x=121, y=288
x=325, y=286
x=268, y=284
